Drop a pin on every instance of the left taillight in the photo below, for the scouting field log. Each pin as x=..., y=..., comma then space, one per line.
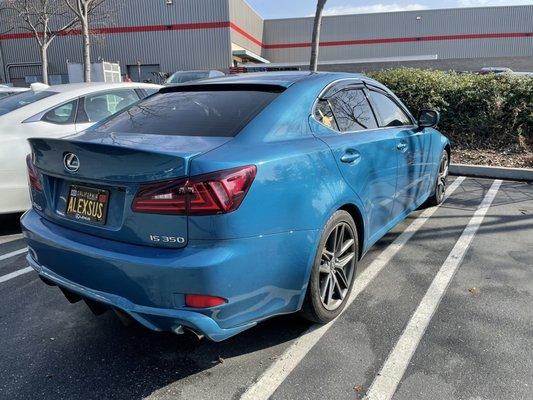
x=214, y=193
x=34, y=177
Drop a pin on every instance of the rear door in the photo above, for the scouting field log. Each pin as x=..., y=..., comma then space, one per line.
x=413, y=161
x=365, y=154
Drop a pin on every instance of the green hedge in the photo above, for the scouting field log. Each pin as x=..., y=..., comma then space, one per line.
x=477, y=111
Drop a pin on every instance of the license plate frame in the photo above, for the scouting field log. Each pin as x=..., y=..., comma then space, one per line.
x=87, y=210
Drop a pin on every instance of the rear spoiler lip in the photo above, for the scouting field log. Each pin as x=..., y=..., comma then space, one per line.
x=233, y=86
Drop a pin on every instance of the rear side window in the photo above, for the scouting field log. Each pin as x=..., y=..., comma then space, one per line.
x=63, y=114
x=390, y=113
x=352, y=111
x=191, y=113
x=324, y=114
x=20, y=100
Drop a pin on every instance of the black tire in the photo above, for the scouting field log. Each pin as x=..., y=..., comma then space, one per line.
x=441, y=181
x=321, y=305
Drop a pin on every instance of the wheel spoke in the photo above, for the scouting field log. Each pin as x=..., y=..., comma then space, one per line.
x=324, y=269
x=339, y=240
x=337, y=286
x=324, y=288
x=330, y=291
x=345, y=260
x=345, y=246
x=341, y=277
x=327, y=255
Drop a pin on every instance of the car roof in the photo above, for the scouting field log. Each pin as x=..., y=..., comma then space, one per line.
x=284, y=78
x=69, y=87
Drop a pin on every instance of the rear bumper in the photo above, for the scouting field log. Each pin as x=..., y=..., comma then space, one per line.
x=259, y=276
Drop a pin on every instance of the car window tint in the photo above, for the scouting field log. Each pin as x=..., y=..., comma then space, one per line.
x=352, y=111
x=64, y=114
x=23, y=99
x=324, y=114
x=388, y=110
x=194, y=113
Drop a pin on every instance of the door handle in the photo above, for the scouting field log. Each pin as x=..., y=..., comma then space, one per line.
x=350, y=156
x=401, y=146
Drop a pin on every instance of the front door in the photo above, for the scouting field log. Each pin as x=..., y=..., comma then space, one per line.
x=414, y=165
x=366, y=155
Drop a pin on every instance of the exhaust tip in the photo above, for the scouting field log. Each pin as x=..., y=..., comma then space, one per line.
x=197, y=335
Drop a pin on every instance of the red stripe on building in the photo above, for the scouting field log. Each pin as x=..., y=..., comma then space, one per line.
x=239, y=30
x=130, y=29
x=505, y=35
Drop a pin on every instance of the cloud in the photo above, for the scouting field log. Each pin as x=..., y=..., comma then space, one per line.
x=375, y=8
x=487, y=3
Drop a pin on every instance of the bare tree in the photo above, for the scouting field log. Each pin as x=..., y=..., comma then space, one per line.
x=87, y=12
x=316, y=35
x=44, y=19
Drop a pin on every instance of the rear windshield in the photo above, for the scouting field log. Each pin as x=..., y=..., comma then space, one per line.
x=191, y=113
x=20, y=100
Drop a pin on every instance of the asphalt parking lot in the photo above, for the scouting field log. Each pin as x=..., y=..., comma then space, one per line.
x=442, y=308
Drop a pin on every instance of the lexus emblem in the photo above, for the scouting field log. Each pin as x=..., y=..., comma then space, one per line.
x=71, y=162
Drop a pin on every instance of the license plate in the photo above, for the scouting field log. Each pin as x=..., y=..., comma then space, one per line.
x=87, y=204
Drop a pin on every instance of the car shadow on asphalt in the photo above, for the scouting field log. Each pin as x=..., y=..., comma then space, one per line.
x=79, y=355
x=9, y=224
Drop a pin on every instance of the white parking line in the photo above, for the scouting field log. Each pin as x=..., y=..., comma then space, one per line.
x=13, y=254
x=391, y=373
x=274, y=376
x=10, y=238
x=5, y=278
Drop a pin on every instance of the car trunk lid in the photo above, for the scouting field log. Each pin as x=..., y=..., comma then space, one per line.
x=112, y=168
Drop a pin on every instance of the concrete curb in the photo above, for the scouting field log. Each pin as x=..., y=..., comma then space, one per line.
x=483, y=171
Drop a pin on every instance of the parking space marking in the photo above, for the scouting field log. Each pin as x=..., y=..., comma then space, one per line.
x=7, y=277
x=10, y=238
x=274, y=376
x=13, y=254
x=391, y=373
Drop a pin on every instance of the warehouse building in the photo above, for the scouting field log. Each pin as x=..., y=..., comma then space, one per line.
x=150, y=36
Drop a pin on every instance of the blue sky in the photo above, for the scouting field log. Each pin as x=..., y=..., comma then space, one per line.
x=297, y=8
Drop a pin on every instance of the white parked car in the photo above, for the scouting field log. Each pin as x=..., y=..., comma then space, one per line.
x=9, y=90
x=52, y=111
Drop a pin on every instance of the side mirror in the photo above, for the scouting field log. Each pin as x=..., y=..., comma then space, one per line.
x=428, y=118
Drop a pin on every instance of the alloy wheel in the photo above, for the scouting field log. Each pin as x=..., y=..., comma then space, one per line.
x=337, y=266
x=442, y=179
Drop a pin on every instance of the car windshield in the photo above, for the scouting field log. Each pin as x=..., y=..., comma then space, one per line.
x=181, y=77
x=12, y=103
x=191, y=113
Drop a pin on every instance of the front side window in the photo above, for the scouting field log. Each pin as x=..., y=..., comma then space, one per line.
x=352, y=111
x=64, y=114
x=202, y=112
x=23, y=99
x=98, y=106
x=390, y=113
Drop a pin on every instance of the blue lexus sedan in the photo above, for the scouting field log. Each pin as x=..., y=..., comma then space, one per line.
x=210, y=206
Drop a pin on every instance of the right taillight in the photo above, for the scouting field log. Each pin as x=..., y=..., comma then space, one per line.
x=215, y=193
x=34, y=177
